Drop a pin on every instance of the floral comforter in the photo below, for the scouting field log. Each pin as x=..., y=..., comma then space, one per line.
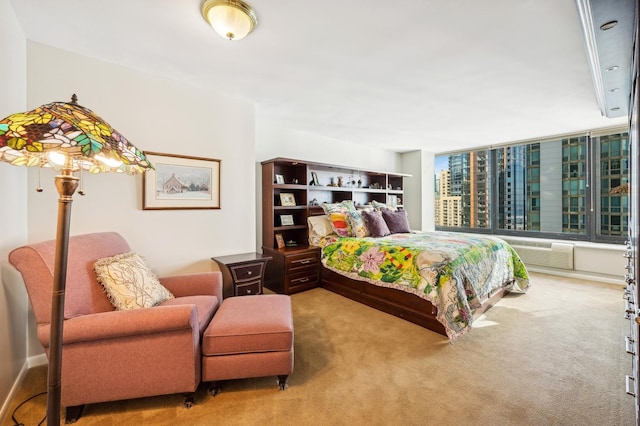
x=455, y=272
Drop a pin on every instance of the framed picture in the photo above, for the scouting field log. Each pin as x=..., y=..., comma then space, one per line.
x=279, y=241
x=181, y=182
x=279, y=179
x=287, y=199
x=314, y=179
x=286, y=219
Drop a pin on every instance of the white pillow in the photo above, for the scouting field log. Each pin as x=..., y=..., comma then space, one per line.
x=319, y=226
x=129, y=283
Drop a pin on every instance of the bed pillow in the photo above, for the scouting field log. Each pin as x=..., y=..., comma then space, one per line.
x=129, y=283
x=319, y=227
x=380, y=206
x=337, y=214
x=358, y=224
x=397, y=221
x=376, y=224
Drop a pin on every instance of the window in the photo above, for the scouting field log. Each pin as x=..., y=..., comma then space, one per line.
x=463, y=185
x=550, y=188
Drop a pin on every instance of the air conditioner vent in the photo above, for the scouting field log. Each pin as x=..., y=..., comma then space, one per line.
x=554, y=255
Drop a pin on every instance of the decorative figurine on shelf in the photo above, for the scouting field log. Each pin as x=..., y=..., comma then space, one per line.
x=332, y=182
x=314, y=202
x=340, y=183
x=359, y=183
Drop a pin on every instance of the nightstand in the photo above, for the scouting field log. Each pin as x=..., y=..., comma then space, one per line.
x=243, y=273
x=293, y=269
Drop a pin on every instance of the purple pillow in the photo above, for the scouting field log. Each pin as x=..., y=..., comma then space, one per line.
x=396, y=221
x=376, y=224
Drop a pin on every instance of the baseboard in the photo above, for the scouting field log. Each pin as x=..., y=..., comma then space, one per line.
x=599, y=278
x=6, y=405
x=32, y=361
x=37, y=360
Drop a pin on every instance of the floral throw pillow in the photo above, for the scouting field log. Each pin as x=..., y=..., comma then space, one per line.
x=338, y=216
x=357, y=223
x=379, y=206
x=129, y=283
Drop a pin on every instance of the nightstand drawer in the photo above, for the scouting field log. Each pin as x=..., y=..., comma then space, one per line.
x=248, y=272
x=308, y=279
x=301, y=262
x=249, y=288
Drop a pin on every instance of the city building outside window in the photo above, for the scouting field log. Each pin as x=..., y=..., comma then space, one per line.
x=572, y=187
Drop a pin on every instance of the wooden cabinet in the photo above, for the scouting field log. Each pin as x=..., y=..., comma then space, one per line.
x=293, y=269
x=242, y=274
x=293, y=190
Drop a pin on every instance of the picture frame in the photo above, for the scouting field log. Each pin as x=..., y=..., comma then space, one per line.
x=279, y=241
x=314, y=179
x=286, y=219
x=279, y=179
x=287, y=199
x=181, y=182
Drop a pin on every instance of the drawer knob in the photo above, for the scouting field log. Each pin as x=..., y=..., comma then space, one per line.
x=249, y=291
x=249, y=273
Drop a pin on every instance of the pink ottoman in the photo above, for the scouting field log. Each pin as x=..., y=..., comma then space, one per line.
x=249, y=336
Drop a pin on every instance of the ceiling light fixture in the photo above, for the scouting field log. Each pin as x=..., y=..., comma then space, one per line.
x=232, y=19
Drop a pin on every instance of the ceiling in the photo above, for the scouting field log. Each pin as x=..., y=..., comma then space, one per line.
x=437, y=75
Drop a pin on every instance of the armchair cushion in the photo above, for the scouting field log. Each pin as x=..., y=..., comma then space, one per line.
x=129, y=283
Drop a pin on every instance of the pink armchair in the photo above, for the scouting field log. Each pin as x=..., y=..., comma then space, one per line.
x=111, y=355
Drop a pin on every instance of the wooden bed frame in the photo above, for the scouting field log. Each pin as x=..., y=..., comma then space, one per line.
x=395, y=302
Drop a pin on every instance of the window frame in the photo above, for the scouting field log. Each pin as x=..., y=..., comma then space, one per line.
x=592, y=172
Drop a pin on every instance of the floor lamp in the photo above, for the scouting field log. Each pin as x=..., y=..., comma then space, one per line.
x=69, y=138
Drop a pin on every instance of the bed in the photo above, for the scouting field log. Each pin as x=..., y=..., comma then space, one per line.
x=439, y=280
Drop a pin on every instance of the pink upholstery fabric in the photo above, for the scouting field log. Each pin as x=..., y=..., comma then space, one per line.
x=243, y=366
x=109, y=355
x=248, y=324
x=250, y=336
x=83, y=293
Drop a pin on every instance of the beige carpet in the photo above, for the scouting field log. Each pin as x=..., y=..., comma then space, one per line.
x=554, y=356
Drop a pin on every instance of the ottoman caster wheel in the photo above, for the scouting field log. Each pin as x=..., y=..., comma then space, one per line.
x=214, y=389
x=189, y=400
x=282, y=382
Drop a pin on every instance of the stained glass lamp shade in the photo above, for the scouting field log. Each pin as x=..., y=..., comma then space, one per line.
x=28, y=138
x=68, y=137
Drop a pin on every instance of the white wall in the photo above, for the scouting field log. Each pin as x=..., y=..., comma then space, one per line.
x=273, y=141
x=157, y=115
x=418, y=189
x=13, y=209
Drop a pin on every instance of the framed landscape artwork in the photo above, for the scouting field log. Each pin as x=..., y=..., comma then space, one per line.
x=181, y=182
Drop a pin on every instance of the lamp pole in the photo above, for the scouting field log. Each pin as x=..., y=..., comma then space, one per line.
x=66, y=185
